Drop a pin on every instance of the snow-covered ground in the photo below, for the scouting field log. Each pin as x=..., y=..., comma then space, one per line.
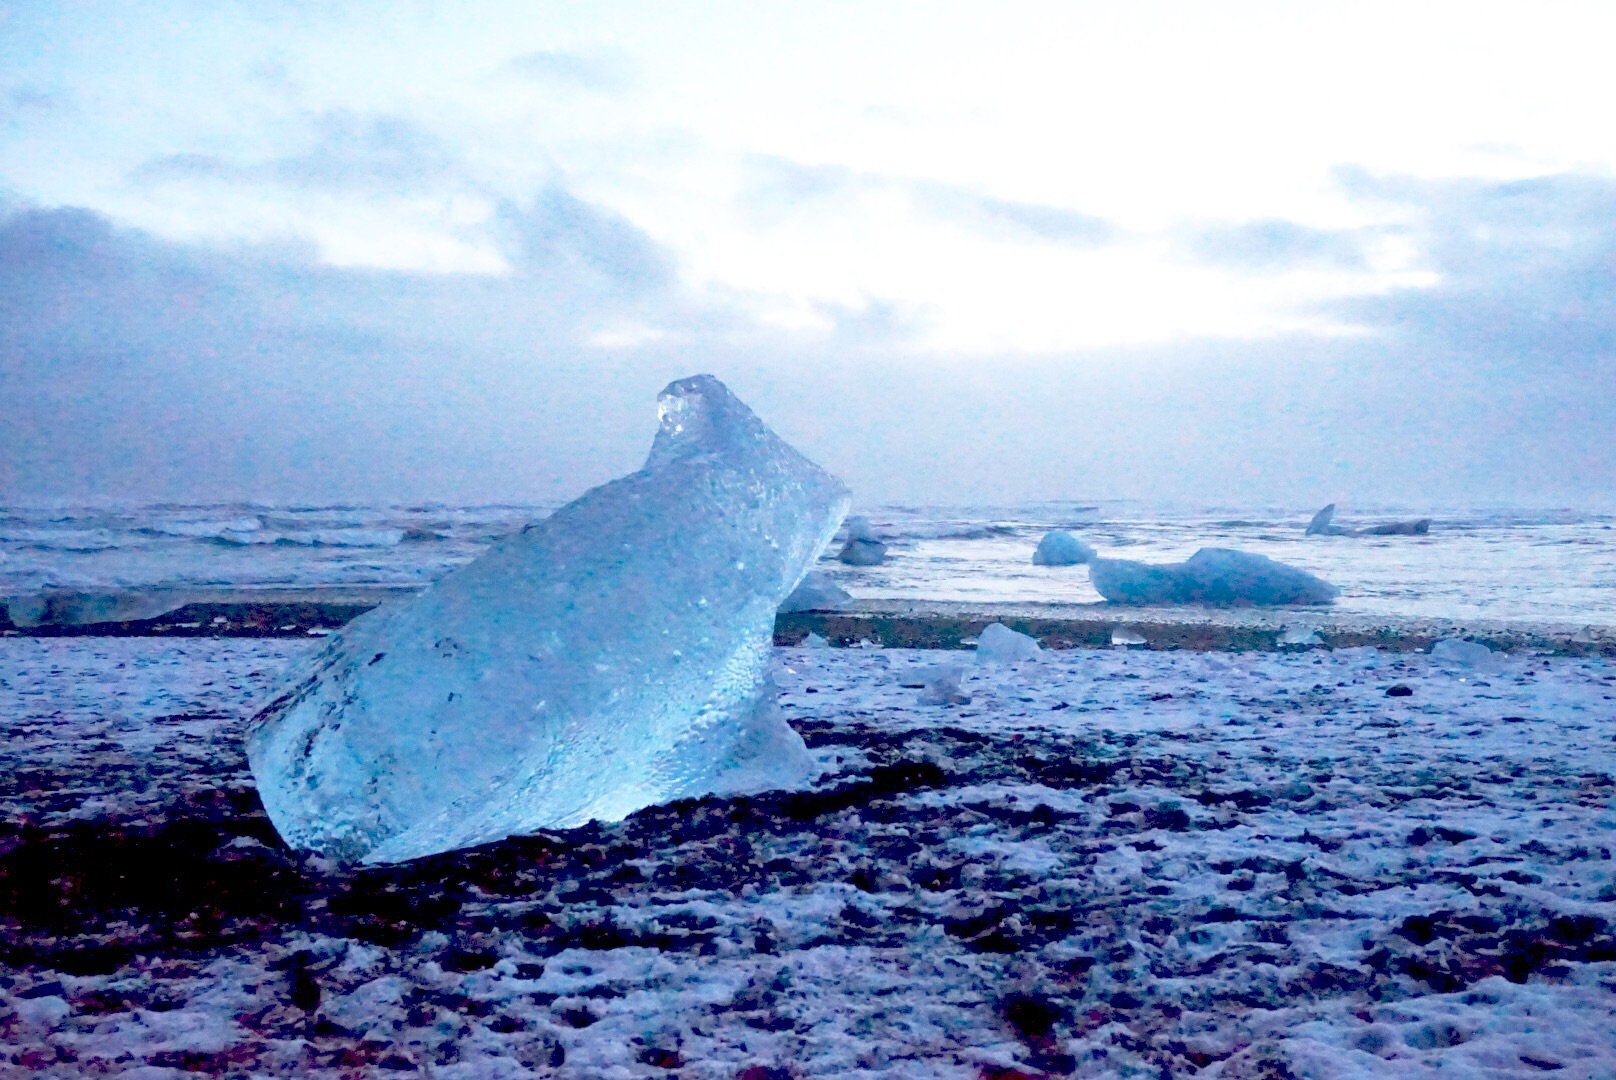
x=1108, y=863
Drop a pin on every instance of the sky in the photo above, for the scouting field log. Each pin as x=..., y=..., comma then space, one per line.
x=1231, y=252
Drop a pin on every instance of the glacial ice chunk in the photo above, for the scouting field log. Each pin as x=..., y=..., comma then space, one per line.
x=1217, y=576
x=1323, y=524
x=863, y=547
x=1061, y=548
x=609, y=657
x=817, y=592
x=1124, y=581
x=998, y=644
x=1121, y=635
x=1300, y=634
x=941, y=685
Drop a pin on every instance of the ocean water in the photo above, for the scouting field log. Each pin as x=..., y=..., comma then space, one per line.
x=1513, y=564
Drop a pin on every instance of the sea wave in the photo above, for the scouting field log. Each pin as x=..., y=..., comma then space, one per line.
x=357, y=538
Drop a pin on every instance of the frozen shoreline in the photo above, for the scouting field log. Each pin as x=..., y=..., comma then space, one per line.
x=1110, y=861
x=914, y=624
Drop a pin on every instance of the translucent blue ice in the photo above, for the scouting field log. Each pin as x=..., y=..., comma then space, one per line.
x=1217, y=576
x=609, y=657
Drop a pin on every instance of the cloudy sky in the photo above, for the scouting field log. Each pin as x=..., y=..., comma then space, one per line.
x=1232, y=252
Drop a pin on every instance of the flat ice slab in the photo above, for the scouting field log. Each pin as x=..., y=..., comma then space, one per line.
x=610, y=656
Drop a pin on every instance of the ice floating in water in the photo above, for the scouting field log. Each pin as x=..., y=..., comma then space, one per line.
x=1123, y=636
x=1218, y=576
x=611, y=656
x=998, y=644
x=817, y=592
x=1323, y=525
x=863, y=547
x=1061, y=548
x=1456, y=652
x=1300, y=635
x=814, y=641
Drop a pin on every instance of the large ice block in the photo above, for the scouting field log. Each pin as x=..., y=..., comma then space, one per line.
x=608, y=657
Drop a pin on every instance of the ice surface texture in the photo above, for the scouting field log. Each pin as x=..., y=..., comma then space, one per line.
x=1061, y=548
x=1217, y=576
x=609, y=657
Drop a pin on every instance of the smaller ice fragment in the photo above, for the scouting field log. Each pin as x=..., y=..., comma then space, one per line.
x=1422, y=527
x=1323, y=524
x=817, y=592
x=1300, y=635
x=69, y=607
x=942, y=685
x=1061, y=548
x=1123, y=636
x=814, y=641
x=998, y=644
x=1458, y=653
x=863, y=547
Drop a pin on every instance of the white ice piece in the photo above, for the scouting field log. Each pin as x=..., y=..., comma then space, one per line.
x=1121, y=635
x=814, y=641
x=998, y=644
x=609, y=657
x=1458, y=653
x=817, y=592
x=1300, y=634
x=1218, y=576
x=1061, y=548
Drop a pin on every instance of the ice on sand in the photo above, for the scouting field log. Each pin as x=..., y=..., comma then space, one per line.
x=998, y=644
x=1218, y=576
x=1458, y=653
x=941, y=685
x=609, y=657
x=1061, y=548
x=817, y=592
x=863, y=547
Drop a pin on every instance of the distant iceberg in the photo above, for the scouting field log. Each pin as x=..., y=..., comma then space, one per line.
x=863, y=547
x=1061, y=548
x=1323, y=524
x=1216, y=576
